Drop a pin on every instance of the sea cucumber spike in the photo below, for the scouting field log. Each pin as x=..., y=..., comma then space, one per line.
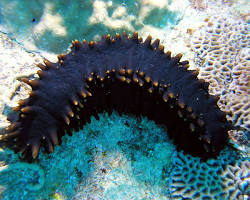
x=165, y=98
x=122, y=78
x=168, y=54
x=54, y=138
x=33, y=93
x=171, y=95
x=49, y=146
x=41, y=74
x=203, y=83
x=27, y=109
x=34, y=84
x=21, y=104
x=80, y=105
x=41, y=66
x=185, y=62
x=113, y=41
x=147, y=79
x=22, y=149
x=124, y=34
x=61, y=62
x=35, y=147
x=140, y=39
x=155, y=84
x=206, y=138
x=186, y=66
x=180, y=114
x=70, y=112
x=90, y=79
x=128, y=80
x=200, y=122
x=141, y=83
x=148, y=40
x=91, y=44
x=66, y=120
x=135, y=37
x=150, y=90
x=10, y=135
x=178, y=57
x=108, y=38
x=122, y=71
x=83, y=94
x=195, y=72
x=13, y=126
x=135, y=79
x=193, y=115
x=48, y=63
x=141, y=74
x=156, y=43
x=118, y=36
x=61, y=57
x=129, y=72
x=181, y=104
x=77, y=45
x=75, y=101
x=89, y=94
x=84, y=41
x=192, y=127
x=161, y=48
x=189, y=109
x=215, y=98
x=25, y=80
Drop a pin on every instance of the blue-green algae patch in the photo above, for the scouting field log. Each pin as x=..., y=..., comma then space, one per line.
x=113, y=155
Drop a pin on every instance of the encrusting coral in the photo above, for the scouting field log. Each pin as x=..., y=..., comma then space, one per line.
x=222, y=54
x=226, y=177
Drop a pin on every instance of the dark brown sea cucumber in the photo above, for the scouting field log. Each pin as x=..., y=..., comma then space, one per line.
x=124, y=74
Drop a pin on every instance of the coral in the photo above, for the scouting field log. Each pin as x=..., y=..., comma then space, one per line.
x=198, y=4
x=30, y=176
x=227, y=177
x=222, y=54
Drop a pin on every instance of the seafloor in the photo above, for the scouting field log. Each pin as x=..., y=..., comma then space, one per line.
x=124, y=157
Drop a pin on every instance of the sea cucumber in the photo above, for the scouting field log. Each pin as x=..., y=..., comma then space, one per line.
x=122, y=73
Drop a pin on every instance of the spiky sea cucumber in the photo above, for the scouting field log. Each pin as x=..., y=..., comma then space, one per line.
x=122, y=73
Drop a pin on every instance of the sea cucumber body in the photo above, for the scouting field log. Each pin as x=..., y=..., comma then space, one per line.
x=124, y=74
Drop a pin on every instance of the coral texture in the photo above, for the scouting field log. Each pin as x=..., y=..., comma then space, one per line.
x=125, y=74
x=222, y=53
x=32, y=175
x=224, y=178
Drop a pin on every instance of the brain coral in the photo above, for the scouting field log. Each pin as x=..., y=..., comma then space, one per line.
x=222, y=55
x=223, y=178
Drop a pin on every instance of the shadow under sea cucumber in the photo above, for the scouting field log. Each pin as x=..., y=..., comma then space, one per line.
x=125, y=74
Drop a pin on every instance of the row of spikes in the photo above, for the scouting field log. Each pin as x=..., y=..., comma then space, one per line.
x=148, y=42
x=35, y=83
x=126, y=75
x=13, y=133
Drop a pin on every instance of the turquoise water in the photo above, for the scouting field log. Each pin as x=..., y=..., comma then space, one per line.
x=116, y=157
x=22, y=18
